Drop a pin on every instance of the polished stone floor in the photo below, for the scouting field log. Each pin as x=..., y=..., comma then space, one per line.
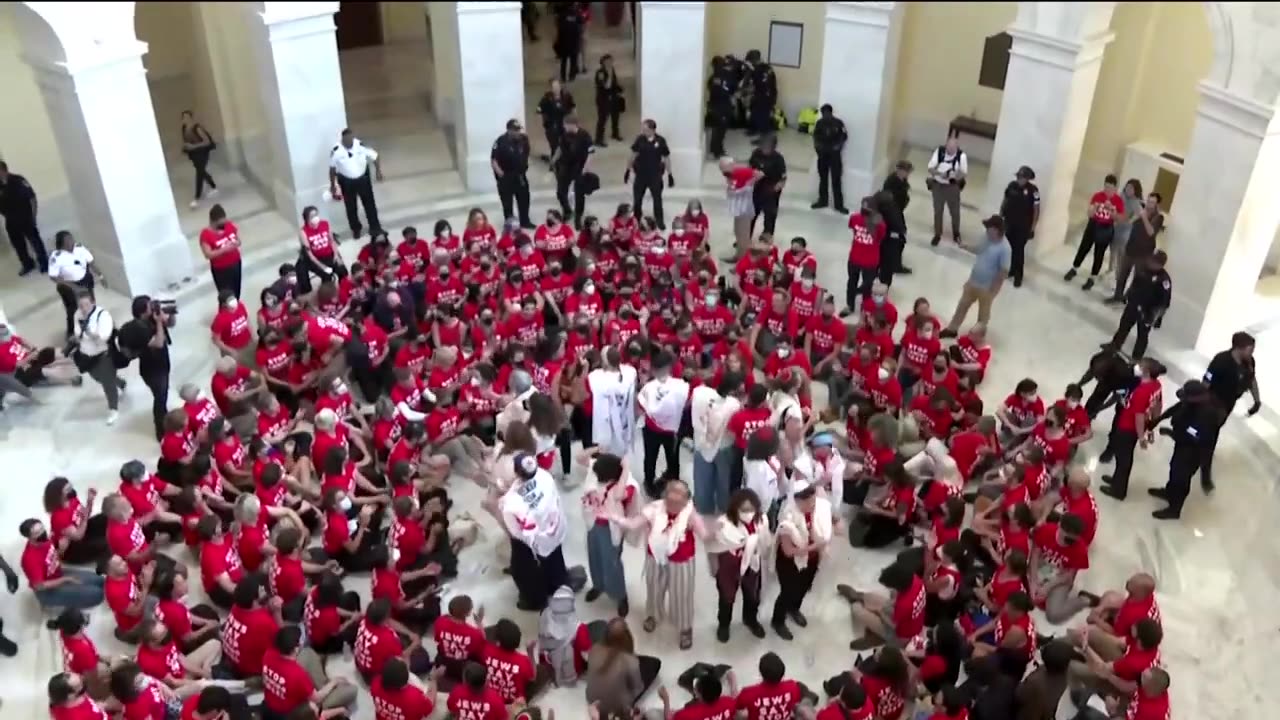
x=1216, y=568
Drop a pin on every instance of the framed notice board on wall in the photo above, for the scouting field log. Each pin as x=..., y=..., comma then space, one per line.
x=786, y=42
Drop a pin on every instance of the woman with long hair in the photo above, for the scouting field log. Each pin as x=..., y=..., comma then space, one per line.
x=79, y=535
x=616, y=677
x=738, y=553
x=609, y=489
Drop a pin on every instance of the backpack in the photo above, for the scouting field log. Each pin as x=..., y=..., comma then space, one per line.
x=942, y=153
x=806, y=119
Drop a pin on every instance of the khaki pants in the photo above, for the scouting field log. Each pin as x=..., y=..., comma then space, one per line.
x=968, y=297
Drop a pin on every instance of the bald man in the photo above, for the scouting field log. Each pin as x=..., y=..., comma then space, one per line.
x=1074, y=497
x=1109, y=628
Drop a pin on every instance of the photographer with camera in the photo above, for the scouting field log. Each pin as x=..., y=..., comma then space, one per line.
x=146, y=338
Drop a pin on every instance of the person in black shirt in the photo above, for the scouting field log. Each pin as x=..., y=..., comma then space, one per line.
x=510, y=161
x=1146, y=302
x=1020, y=209
x=568, y=42
x=146, y=337
x=892, y=202
x=18, y=204
x=764, y=94
x=1114, y=374
x=829, y=136
x=556, y=104
x=720, y=89
x=768, y=190
x=650, y=158
x=1195, y=420
x=393, y=310
x=1231, y=373
x=569, y=163
x=529, y=18
x=608, y=99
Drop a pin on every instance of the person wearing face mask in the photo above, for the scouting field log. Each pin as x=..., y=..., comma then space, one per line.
x=585, y=300
x=317, y=253
x=53, y=584
x=231, y=331
x=658, y=261
x=650, y=161
x=681, y=242
x=554, y=239
x=696, y=223
x=1021, y=411
x=1057, y=555
x=824, y=336
x=555, y=287
x=798, y=258
x=804, y=297
x=918, y=347
x=570, y=161
x=864, y=253
x=1134, y=425
x=738, y=553
x=96, y=352
x=220, y=243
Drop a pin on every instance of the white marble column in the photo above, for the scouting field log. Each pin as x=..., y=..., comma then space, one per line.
x=444, y=60
x=102, y=117
x=860, y=35
x=671, y=80
x=301, y=86
x=491, y=84
x=1224, y=218
x=1048, y=95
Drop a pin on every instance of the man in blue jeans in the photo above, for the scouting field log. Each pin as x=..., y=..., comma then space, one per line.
x=712, y=456
x=53, y=584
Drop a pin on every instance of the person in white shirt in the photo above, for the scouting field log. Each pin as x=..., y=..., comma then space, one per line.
x=350, y=178
x=738, y=553
x=71, y=270
x=609, y=489
x=662, y=400
x=613, y=392
x=806, y=526
x=531, y=513
x=709, y=414
x=94, y=332
x=763, y=474
x=948, y=167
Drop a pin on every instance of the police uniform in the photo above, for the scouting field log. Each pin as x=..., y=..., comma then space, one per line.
x=765, y=196
x=1019, y=208
x=1145, y=303
x=719, y=107
x=893, y=210
x=1194, y=427
x=17, y=204
x=511, y=155
x=764, y=95
x=554, y=109
x=829, y=136
x=1228, y=380
x=608, y=103
x=351, y=168
x=570, y=162
x=69, y=269
x=649, y=163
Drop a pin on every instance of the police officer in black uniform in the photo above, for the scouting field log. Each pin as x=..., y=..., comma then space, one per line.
x=829, y=136
x=556, y=104
x=1231, y=373
x=893, y=198
x=569, y=163
x=608, y=99
x=768, y=190
x=18, y=204
x=1194, y=422
x=1145, y=303
x=1114, y=374
x=650, y=161
x=510, y=161
x=720, y=89
x=764, y=95
x=1020, y=209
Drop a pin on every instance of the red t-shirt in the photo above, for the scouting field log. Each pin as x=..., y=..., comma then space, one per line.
x=457, y=639
x=286, y=684
x=120, y=593
x=1109, y=207
x=1077, y=418
x=12, y=353
x=908, y=610
x=888, y=702
x=79, y=655
x=1064, y=557
x=918, y=352
x=71, y=514
x=246, y=636
x=232, y=327
x=319, y=239
x=249, y=542
x=1131, y=611
x=375, y=645
x=220, y=385
x=1022, y=411
x=723, y=708
x=835, y=711
x=864, y=247
x=464, y=703
x=710, y=323
x=86, y=709
x=1140, y=707
x=766, y=701
x=144, y=496
x=826, y=334
x=321, y=623
x=966, y=448
x=1135, y=661
x=40, y=562
x=161, y=662
x=148, y=704
x=407, y=703
x=287, y=579
x=219, y=558
x=745, y=422
x=218, y=239
x=125, y=539
x=509, y=672
x=1145, y=400
x=177, y=618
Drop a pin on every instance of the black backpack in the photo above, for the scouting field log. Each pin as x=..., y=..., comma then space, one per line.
x=942, y=153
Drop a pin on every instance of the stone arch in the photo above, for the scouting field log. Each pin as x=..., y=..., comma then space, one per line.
x=40, y=41
x=75, y=33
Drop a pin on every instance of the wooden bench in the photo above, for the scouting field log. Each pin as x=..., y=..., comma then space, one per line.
x=973, y=126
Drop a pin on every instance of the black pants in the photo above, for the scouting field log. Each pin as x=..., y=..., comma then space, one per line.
x=760, y=118
x=513, y=193
x=569, y=67
x=361, y=188
x=327, y=269
x=200, y=161
x=766, y=202
x=736, y=469
x=653, y=185
x=858, y=284
x=607, y=110
x=1122, y=443
x=831, y=169
x=1184, y=464
x=891, y=257
x=23, y=233
x=563, y=181
x=91, y=549
x=653, y=441
x=1130, y=318
x=536, y=577
x=793, y=585
x=1097, y=237
x=1097, y=400
x=552, y=133
x=719, y=127
x=729, y=579
x=67, y=294
x=158, y=382
x=227, y=278
x=1018, y=238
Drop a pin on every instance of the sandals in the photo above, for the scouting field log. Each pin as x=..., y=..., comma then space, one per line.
x=650, y=624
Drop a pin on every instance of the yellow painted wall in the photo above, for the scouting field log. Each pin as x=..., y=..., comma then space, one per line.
x=31, y=149
x=939, y=60
x=735, y=28
x=1147, y=88
x=403, y=21
x=166, y=28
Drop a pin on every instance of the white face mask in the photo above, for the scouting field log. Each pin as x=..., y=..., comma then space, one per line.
x=526, y=251
x=877, y=299
x=231, y=304
x=589, y=289
x=352, y=527
x=345, y=504
x=784, y=353
x=807, y=284
x=313, y=221
x=711, y=300
x=678, y=232
x=1137, y=371
x=475, y=382
x=339, y=388
x=659, y=249
x=747, y=517
x=926, y=334
x=1073, y=404
x=695, y=213
x=883, y=374
x=395, y=555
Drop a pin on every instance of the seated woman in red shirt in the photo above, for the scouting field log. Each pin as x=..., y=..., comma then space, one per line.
x=79, y=535
x=971, y=354
x=887, y=516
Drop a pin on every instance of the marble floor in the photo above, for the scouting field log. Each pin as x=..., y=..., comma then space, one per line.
x=1217, y=568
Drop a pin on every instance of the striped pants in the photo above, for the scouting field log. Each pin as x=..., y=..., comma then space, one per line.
x=669, y=587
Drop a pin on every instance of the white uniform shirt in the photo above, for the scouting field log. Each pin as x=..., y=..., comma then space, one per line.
x=93, y=335
x=352, y=163
x=939, y=167
x=70, y=266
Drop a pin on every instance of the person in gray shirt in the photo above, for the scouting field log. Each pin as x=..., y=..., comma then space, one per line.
x=1147, y=225
x=990, y=268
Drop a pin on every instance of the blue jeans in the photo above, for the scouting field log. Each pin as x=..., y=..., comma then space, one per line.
x=82, y=595
x=711, y=483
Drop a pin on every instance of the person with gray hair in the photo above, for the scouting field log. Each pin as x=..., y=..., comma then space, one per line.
x=235, y=387
x=520, y=386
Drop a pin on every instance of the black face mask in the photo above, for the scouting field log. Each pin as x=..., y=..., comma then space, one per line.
x=71, y=494
x=939, y=368
x=583, y=329
x=42, y=538
x=486, y=266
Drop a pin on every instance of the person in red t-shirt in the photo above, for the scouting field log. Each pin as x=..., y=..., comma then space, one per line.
x=471, y=699
x=1134, y=426
x=394, y=698
x=249, y=629
x=510, y=672
x=774, y=697
x=1110, y=624
x=1012, y=633
x=139, y=698
x=457, y=640
x=53, y=584
x=1106, y=208
x=378, y=640
x=1150, y=701
x=710, y=701
x=220, y=244
x=864, y=253
x=1124, y=674
x=1058, y=554
x=289, y=676
x=231, y=330
x=851, y=704
x=753, y=415
x=899, y=616
x=1078, y=424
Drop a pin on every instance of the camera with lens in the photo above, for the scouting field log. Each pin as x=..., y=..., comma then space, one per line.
x=169, y=308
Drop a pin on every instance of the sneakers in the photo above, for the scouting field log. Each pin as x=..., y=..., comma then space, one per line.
x=947, y=334
x=112, y=416
x=1070, y=275
x=193, y=204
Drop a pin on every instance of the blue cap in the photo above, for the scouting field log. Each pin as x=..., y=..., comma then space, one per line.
x=822, y=439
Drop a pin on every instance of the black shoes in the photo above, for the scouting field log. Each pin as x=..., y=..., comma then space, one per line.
x=8, y=648
x=624, y=608
x=722, y=633
x=818, y=205
x=798, y=618
x=1112, y=492
x=1017, y=282
x=936, y=239
x=1088, y=285
x=841, y=209
x=1070, y=275
x=947, y=334
x=593, y=594
x=1113, y=300
x=1166, y=514
x=1160, y=493
x=782, y=631
x=756, y=629
x=1206, y=485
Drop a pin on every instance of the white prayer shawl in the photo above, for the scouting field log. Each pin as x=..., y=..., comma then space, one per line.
x=532, y=513
x=782, y=406
x=761, y=478
x=791, y=521
x=709, y=414
x=515, y=410
x=755, y=546
x=613, y=415
x=665, y=536
x=664, y=401
x=603, y=501
x=827, y=475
